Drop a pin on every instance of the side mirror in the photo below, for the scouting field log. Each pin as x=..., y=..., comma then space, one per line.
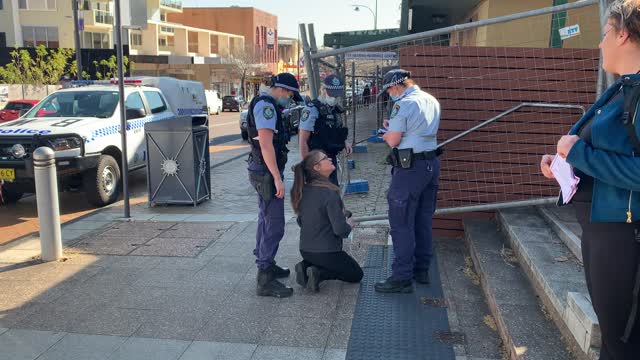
x=135, y=114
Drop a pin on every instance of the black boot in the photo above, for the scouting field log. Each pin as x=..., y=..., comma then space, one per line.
x=279, y=272
x=421, y=276
x=313, y=274
x=269, y=286
x=301, y=274
x=394, y=286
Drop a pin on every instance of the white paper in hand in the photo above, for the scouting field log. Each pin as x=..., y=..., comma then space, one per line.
x=563, y=172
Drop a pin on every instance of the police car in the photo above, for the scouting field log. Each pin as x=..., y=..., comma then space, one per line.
x=82, y=125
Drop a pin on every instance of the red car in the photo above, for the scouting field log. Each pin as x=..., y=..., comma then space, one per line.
x=15, y=108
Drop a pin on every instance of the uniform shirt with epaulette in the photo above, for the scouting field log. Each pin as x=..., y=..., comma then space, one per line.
x=265, y=114
x=417, y=116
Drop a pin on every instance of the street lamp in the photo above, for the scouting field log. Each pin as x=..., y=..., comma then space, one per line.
x=375, y=14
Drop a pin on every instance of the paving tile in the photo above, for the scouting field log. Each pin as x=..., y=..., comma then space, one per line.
x=339, y=334
x=334, y=354
x=234, y=327
x=138, y=229
x=287, y=353
x=170, y=217
x=150, y=349
x=172, y=247
x=107, y=321
x=234, y=264
x=198, y=230
x=172, y=324
x=106, y=245
x=296, y=331
x=159, y=298
x=17, y=344
x=85, y=225
x=346, y=306
x=83, y=347
x=219, y=350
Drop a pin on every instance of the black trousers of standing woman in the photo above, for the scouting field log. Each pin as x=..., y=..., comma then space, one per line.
x=611, y=254
x=334, y=265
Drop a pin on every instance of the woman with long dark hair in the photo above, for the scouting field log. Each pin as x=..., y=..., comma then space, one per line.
x=323, y=224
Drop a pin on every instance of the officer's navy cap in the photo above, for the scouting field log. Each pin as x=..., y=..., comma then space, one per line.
x=333, y=85
x=289, y=82
x=394, y=77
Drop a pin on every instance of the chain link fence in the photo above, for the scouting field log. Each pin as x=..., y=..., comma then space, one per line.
x=514, y=71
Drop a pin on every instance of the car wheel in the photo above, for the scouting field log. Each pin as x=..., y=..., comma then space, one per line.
x=102, y=184
x=245, y=135
x=10, y=194
x=219, y=111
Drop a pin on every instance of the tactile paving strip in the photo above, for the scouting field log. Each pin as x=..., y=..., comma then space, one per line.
x=397, y=326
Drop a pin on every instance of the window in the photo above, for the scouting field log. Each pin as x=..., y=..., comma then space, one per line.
x=136, y=39
x=134, y=101
x=37, y=4
x=37, y=35
x=155, y=101
x=3, y=39
x=162, y=42
x=92, y=40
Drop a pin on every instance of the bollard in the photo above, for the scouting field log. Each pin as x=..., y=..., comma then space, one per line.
x=44, y=168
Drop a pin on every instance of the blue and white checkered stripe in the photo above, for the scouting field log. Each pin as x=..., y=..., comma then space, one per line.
x=115, y=129
x=198, y=111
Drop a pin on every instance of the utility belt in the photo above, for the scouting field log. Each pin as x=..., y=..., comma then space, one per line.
x=281, y=156
x=404, y=158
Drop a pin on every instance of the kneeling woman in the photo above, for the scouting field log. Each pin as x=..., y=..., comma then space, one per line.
x=323, y=224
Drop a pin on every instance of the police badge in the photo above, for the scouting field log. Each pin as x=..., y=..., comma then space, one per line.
x=305, y=115
x=395, y=110
x=268, y=113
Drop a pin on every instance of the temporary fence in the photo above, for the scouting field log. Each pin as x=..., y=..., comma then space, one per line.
x=514, y=71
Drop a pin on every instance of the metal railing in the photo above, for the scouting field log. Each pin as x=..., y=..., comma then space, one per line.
x=491, y=206
x=175, y=4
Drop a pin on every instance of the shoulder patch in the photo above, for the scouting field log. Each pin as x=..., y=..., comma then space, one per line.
x=395, y=110
x=305, y=115
x=268, y=113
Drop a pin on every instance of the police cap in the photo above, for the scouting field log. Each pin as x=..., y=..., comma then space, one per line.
x=394, y=77
x=333, y=85
x=287, y=81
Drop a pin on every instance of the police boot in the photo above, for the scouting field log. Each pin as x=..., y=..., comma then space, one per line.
x=314, y=275
x=301, y=274
x=421, y=276
x=279, y=272
x=269, y=286
x=394, y=286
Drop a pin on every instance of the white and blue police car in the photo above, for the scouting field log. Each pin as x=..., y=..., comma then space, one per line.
x=82, y=125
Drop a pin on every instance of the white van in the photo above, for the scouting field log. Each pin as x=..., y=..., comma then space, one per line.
x=214, y=101
x=82, y=125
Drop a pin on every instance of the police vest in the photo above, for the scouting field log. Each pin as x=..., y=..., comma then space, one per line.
x=280, y=137
x=328, y=134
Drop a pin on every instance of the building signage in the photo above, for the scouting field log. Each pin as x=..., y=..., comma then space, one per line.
x=370, y=55
x=271, y=38
x=569, y=32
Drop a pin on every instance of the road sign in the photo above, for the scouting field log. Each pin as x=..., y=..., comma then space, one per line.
x=372, y=55
x=569, y=32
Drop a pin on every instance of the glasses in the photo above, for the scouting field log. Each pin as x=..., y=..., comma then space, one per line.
x=606, y=32
x=321, y=160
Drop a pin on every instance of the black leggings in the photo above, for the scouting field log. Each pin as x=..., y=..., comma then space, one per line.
x=334, y=265
x=611, y=254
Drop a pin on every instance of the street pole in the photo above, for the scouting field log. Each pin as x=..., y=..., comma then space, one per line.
x=76, y=28
x=123, y=119
x=375, y=26
x=298, y=53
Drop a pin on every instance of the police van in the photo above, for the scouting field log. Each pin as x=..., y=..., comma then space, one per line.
x=82, y=125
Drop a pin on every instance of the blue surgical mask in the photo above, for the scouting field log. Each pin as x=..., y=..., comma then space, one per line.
x=396, y=98
x=284, y=102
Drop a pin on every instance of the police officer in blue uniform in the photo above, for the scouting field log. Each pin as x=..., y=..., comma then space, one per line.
x=321, y=126
x=412, y=195
x=268, y=136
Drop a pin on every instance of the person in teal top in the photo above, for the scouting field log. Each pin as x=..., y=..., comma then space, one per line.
x=601, y=149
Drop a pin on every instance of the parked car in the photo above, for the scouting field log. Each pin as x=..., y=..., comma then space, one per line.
x=214, y=102
x=15, y=108
x=232, y=103
x=243, y=125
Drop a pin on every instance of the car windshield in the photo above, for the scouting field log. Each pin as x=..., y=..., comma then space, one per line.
x=13, y=106
x=98, y=104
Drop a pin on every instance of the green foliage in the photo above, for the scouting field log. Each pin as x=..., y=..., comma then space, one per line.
x=45, y=68
x=106, y=69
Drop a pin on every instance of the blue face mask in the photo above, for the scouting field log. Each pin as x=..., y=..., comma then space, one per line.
x=284, y=102
x=396, y=98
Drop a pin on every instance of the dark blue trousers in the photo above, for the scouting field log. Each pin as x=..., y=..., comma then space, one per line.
x=270, y=226
x=412, y=200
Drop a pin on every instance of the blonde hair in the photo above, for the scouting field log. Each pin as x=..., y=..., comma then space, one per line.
x=625, y=14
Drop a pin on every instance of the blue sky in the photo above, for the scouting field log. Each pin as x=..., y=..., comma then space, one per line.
x=326, y=15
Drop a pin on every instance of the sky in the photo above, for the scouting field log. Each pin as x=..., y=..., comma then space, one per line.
x=327, y=15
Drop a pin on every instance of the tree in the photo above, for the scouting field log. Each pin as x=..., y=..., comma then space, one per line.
x=45, y=68
x=244, y=61
x=106, y=69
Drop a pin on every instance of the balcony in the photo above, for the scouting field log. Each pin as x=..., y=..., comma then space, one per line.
x=98, y=19
x=171, y=5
